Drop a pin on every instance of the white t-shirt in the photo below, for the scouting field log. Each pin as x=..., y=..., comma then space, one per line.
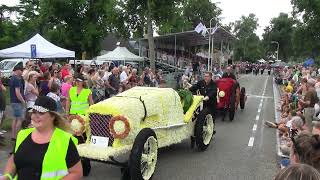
x=123, y=76
x=106, y=76
x=54, y=96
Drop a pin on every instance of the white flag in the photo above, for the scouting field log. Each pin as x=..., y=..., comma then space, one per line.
x=214, y=29
x=204, y=31
x=199, y=28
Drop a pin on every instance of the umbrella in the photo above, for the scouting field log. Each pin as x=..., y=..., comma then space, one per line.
x=308, y=62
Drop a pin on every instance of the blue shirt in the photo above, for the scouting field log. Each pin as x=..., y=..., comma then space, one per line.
x=15, y=82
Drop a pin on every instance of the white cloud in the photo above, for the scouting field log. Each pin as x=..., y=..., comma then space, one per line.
x=265, y=10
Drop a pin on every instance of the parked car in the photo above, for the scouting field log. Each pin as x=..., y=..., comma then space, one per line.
x=137, y=123
x=7, y=65
x=230, y=96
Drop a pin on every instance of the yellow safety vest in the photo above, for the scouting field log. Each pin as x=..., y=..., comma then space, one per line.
x=54, y=164
x=79, y=103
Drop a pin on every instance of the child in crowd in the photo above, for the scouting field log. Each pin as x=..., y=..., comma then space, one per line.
x=55, y=95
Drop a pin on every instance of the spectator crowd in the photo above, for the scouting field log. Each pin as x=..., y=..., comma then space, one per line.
x=298, y=124
x=41, y=79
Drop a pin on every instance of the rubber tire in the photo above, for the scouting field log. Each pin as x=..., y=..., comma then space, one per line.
x=136, y=152
x=86, y=166
x=242, y=97
x=232, y=107
x=199, y=130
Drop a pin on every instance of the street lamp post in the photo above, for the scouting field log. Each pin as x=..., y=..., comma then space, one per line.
x=209, y=58
x=275, y=42
x=211, y=48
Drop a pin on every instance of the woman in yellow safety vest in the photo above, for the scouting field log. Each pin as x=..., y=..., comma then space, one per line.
x=80, y=97
x=46, y=151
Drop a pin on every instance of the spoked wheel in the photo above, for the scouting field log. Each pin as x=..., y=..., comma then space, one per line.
x=242, y=97
x=204, y=130
x=144, y=154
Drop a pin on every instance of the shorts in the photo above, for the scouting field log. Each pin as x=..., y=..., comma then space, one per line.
x=17, y=110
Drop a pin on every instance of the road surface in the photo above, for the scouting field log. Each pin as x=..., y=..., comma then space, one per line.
x=243, y=149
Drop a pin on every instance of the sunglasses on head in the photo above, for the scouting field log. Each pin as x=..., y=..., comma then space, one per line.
x=33, y=111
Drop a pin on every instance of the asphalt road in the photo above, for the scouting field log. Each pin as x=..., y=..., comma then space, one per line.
x=243, y=149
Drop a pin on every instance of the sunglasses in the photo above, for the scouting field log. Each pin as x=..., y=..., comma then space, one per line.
x=33, y=111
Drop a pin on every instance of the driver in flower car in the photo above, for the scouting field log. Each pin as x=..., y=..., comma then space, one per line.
x=207, y=88
x=228, y=73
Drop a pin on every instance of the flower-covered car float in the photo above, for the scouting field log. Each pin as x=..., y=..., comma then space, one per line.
x=230, y=96
x=139, y=121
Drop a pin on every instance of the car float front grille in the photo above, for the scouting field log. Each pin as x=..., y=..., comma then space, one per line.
x=99, y=125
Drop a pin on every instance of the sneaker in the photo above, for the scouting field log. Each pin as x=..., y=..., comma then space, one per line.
x=270, y=124
x=1, y=134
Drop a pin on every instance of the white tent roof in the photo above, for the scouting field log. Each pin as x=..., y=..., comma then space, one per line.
x=44, y=49
x=120, y=54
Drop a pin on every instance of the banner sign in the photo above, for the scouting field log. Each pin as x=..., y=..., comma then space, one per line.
x=33, y=51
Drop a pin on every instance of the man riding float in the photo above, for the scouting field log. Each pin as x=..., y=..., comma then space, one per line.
x=229, y=74
x=207, y=88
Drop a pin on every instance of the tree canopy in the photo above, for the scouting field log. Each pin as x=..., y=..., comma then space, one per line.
x=248, y=45
x=81, y=25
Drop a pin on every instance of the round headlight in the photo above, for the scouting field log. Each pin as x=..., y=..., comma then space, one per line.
x=77, y=124
x=119, y=127
x=222, y=94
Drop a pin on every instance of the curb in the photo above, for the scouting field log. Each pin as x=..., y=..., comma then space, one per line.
x=276, y=95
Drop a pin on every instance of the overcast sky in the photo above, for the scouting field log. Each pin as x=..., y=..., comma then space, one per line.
x=265, y=10
x=232, y=10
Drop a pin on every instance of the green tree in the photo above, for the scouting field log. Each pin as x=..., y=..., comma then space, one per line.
x=7, y=28
x=196, y=11
x=307, y=35
x=248, y=45
x=188, y=14
x=78, y=25
x=281, y=30
x=145, y=15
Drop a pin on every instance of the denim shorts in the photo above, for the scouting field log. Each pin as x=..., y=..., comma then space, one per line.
x=17, y=110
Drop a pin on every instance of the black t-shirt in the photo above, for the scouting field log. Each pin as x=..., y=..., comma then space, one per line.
x=114, y=81
x=29, y=158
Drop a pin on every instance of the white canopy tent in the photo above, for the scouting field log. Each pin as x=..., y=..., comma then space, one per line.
x=262, y=61
x=120, y=54
x=44, y=49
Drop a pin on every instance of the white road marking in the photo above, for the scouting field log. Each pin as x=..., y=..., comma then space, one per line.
x=251, y=140
x=265, y=86
x=254, y=128
x=256, y=96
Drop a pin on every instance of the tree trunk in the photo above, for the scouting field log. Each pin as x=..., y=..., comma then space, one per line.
x=150, y=39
